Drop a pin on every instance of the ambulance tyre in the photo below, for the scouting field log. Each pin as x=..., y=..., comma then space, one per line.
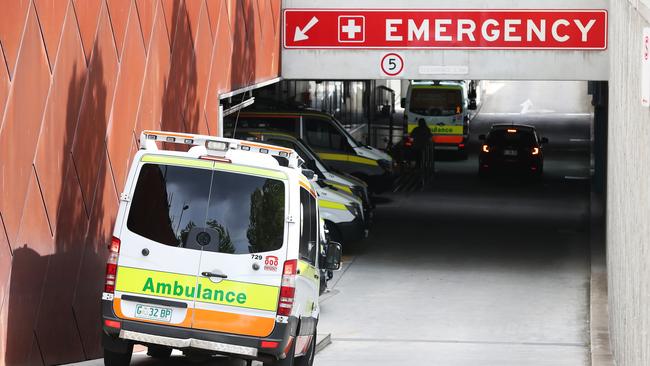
x=287, y=361
x=308, y=358
x=117, y=359
x=159, y=352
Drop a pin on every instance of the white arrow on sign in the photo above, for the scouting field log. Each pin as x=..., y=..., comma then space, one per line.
x=300, y=34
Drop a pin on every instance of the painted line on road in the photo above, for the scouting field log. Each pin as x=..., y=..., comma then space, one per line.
x=387, y=340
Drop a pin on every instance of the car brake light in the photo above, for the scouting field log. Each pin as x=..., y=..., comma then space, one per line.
x=111, y=265
x=536, y=151
x=461, y=146
x=486, y=149
x=512, y=131
x=112, y=324
x=288, y=288
x=269, y=344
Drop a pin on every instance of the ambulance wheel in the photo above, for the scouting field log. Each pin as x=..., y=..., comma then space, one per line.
x=117, y=359
x=287, y=361
x=159, y=352
x=308, y=358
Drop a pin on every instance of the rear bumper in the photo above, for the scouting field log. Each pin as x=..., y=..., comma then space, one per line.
x=523, y=167
x=135, y=332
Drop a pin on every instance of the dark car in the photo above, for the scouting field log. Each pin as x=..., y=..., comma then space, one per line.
x=512, y=149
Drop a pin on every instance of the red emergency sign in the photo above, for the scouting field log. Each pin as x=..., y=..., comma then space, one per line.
x=445, y=29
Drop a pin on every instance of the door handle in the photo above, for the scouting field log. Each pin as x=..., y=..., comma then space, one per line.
x=210, y=274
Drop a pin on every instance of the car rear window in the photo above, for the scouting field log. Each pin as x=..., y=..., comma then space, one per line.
x=436, y=101
x=503, y=137
x=208, y=210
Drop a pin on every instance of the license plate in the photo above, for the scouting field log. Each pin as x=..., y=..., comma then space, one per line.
x=510, y=152
x=150, y=312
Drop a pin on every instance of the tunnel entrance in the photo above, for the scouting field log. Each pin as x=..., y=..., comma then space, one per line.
x=459, y=268
x=493, y=266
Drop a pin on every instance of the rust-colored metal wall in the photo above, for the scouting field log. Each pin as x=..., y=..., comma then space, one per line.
x=79, y=80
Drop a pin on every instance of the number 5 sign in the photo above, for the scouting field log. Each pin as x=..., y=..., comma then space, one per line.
x=392, y=64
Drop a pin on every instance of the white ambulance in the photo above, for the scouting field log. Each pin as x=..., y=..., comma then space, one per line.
x=215, y=251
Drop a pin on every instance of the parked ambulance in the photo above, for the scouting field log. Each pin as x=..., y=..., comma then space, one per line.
x=215, y=250
x=446, y=107
x=328, y=138
x=333, y=180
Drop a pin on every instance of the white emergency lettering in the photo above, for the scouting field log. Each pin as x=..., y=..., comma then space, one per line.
x=391, y=28
x=491, y=30
x=418, y=33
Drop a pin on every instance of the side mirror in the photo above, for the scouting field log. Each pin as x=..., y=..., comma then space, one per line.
x=403, y=102
x=544, y=140
x=472, y=105
x=333, y=252
x=481, y=137
x=308, y=173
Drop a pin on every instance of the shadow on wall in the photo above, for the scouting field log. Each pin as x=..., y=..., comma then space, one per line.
x=54, y=299
x=54, y=296
x=180, y=111
x=244, y=58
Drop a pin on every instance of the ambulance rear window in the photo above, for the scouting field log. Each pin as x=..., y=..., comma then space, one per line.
x=208, y=210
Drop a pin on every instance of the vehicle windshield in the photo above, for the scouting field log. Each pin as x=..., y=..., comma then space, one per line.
x=352, y=140
x=303, y=151
x=436, y=101
x=311, y=154
x=177, y=206
x=503, y=137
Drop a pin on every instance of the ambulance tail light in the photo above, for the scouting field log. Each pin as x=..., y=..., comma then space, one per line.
x=288, y=288
x=111, y=265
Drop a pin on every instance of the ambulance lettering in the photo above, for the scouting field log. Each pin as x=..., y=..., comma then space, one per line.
x=208, y=294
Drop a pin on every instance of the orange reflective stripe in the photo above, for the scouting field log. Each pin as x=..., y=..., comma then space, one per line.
x=448, y=139
x=213, y=320
x=264, y=146
x=309, y=189
x=250, y=325
x=168, y=134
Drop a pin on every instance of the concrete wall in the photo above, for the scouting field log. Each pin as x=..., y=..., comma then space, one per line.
x=79, y=80
x=628, y=218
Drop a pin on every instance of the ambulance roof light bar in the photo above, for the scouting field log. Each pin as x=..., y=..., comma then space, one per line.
x=148, y=141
